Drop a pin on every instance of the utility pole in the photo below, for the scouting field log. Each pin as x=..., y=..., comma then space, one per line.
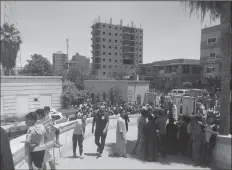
x=67, y=43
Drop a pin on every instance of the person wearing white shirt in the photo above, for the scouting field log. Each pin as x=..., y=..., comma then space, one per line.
x=78, y=136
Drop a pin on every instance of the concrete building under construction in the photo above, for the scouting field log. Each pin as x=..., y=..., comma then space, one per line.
x=116, y=49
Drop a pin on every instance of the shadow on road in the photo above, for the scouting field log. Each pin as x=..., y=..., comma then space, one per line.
x=72, y=157
x=168, y=160
x=91, y=154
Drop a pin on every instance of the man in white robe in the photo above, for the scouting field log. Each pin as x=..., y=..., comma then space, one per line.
x=121, y=142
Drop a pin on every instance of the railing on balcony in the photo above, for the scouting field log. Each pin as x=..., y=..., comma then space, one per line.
x=127, y=30
x=128, y=37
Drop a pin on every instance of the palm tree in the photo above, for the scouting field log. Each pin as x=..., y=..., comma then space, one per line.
x=222, y=10
x=10, y=45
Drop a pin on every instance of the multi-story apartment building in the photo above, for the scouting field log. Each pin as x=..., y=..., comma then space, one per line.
x=59, y=62
x=81, y=62
x=116, y=49
x=170, y=73
x=210, y=59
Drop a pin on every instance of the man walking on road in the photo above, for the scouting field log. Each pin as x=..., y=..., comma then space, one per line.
x=101, y=119
x=78, y=135
x=141, y=122
x=121, y=142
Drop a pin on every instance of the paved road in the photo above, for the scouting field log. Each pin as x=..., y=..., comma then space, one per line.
x=91, y=161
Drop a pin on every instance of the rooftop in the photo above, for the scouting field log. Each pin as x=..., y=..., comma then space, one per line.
x=173, y=62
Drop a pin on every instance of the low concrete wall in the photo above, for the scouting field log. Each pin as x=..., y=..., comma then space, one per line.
x=17, y=145
x=222, y=152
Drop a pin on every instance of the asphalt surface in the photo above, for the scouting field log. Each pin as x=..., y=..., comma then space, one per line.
x=91, y=160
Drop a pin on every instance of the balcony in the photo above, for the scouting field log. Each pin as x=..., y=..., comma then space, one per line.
x=128, y=37
x=129, y=31
x=130, y=44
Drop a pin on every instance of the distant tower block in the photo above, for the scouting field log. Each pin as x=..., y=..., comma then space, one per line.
x=98, y=18
x=132, y=24
x=121, y=22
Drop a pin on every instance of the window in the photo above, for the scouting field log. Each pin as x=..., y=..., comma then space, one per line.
x=104, y=73
x=116, y=61
x=140, y=55
x=109, y=53
x=103, y=59
x=140, y=49
x=103, y=25
x=109, y=40
x=109, y=46
x=116, y=34
x=104, y=53
x=116, y=40
x=212, y=55
x=104, y=66
x=109, y=26
x=185, y=69
x=210, y=69
x=140, y=43
x=211, y=40
x=104, y=46
x=115, y=48
x=131, y=67
x=109, y=66
x=103, y=33
x=103, y=39
x=109, y=60
x=140, y=37
x=116, y=66
x=109, y=33
x=116, y=27
x=116, y=53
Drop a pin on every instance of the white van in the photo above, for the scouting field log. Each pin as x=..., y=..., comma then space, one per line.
x=181, y=92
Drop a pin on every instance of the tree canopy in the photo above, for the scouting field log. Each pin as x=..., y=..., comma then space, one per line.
x=10, y=45
x=38, y=66
x=74, y=75
x=213, y=8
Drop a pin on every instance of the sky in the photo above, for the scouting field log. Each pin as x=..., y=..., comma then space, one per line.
x=169, y=31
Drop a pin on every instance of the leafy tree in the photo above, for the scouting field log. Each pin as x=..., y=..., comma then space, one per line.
x=10, y=45
x=70, y=92
x=38, y=66
x=74, y=75
x=222, y=10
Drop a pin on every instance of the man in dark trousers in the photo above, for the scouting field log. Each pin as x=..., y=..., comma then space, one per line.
x=101, y=119
x=127, y=119
x=6, y=155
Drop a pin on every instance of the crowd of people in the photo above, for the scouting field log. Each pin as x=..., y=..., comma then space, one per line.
x=160, y=132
